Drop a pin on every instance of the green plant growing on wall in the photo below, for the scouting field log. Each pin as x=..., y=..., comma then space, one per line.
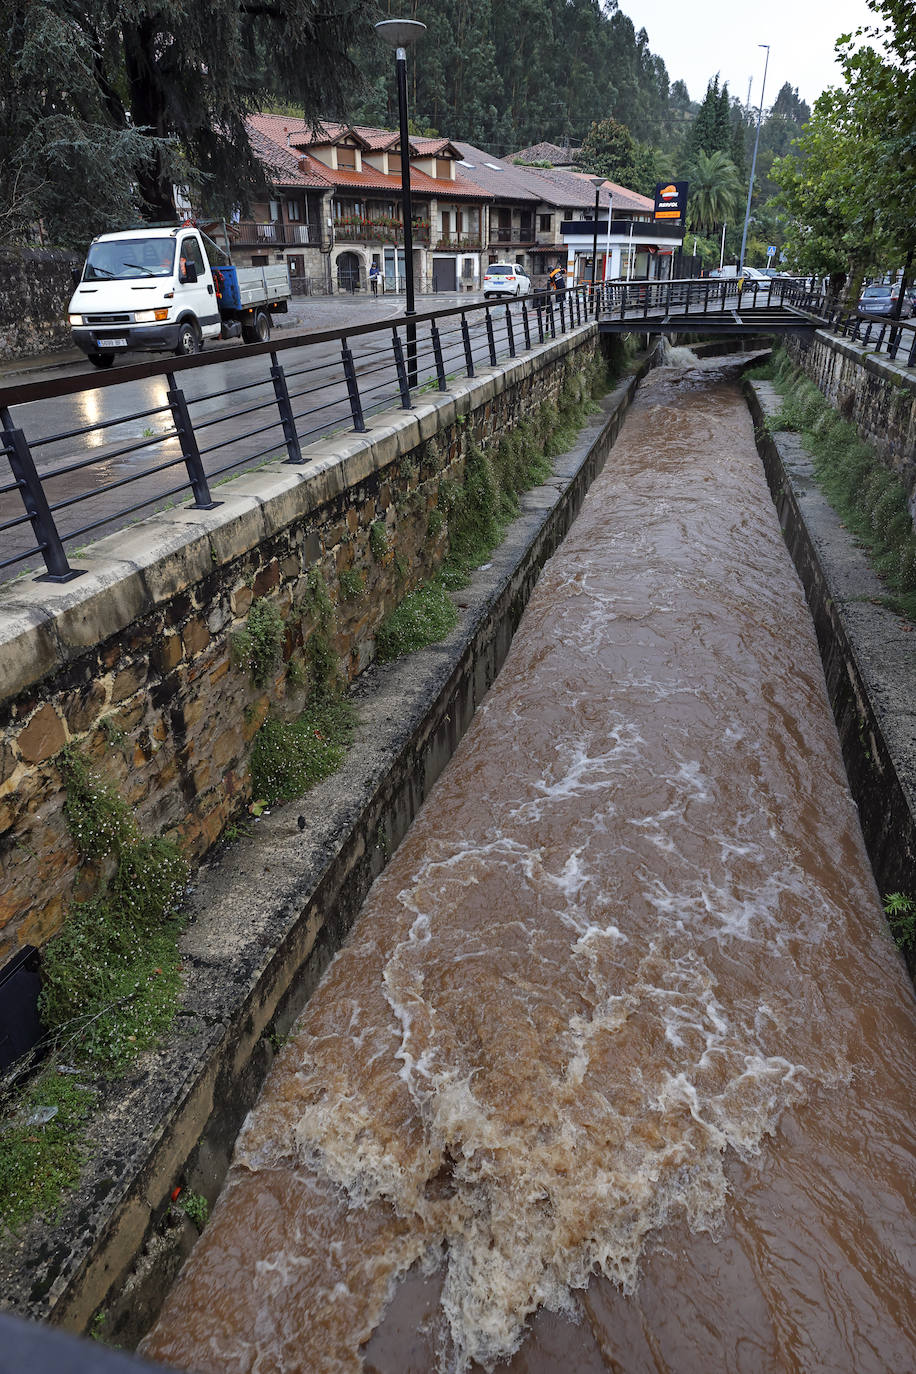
x=424, y=617
x=319, y=599
x=196, y=1207
x=435, y=523
x=351, y=584
x=257, y=647
x=900, y=911
x=869, y=498
x=378, y=540
x=289, y=757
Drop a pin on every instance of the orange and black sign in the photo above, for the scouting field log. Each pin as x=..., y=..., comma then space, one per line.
x=671, y=200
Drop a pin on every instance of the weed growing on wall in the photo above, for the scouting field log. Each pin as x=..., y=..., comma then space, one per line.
x=351, y=584
x=110, y=987
x=110, y=979
x=869, y=499
x=424, y=617
x=900, y=911
x=257, y=646
x=378, y=540
x=289, y=757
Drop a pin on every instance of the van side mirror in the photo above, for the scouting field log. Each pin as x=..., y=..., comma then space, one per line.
x=189, y=273
x=76, y=275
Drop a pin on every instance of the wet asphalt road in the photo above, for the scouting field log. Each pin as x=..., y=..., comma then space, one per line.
x=118, y=446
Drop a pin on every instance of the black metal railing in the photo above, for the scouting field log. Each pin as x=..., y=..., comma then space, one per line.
x=707, y=296
x=74, y=481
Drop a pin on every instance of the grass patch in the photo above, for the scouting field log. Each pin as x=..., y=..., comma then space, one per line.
x=41, y=1150
x=424, y=617
x=351, y=582
x=869, y=499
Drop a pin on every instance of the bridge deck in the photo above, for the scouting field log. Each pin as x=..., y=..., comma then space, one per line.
x=730, y=321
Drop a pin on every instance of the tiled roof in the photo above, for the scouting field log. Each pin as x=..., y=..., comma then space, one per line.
x=495, y=175
x=271, y=136
x=545, y=152
x=623, y=198
x=287, y=167
x=564, y=189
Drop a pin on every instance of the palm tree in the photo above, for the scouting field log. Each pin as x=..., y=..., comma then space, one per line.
x=715, y=192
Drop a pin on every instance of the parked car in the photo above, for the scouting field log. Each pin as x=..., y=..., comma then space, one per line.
x=505, y=279
x=882, y=300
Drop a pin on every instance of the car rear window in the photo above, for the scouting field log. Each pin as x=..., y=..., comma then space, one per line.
x=500, y=271
x=877, y=291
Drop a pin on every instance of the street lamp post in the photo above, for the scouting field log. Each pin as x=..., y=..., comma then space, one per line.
x=597, y=182
x=400, y=34
x=750, y=189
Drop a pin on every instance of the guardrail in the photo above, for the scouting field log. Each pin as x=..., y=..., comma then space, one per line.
x=188, y=442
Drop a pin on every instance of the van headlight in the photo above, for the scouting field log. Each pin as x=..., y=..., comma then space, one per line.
x=74, y=319
x=150, y=316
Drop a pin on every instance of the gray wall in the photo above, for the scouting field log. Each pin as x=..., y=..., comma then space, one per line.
x=35, y=287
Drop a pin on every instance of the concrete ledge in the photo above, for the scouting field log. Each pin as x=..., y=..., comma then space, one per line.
x=267, y=914
x=868, y=652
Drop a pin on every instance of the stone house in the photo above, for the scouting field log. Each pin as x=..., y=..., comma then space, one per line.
x=336, y=208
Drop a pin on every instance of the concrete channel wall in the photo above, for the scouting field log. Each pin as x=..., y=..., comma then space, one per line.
x=268, y=913
x=869, y=390
x=133, y=661
x=867, y=651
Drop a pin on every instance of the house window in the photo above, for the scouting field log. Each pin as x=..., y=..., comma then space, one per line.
x=459, y=221
x=259, y=260
x=275, y=212
x=394, y=163
x=346, y=159
x=444, y=168
x=545, y=224
x=446, y=223
x=293, y=210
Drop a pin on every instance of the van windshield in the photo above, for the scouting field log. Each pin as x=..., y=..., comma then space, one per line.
x=122, y=258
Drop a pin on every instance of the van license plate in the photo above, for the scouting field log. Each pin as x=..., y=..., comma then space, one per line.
x=111, y=343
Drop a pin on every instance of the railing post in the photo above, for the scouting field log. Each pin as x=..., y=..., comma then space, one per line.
x=526, y=325
x=623, y=302
x=403, y=385
x=578, y=308
x=911, y=358
x=356, y=405
x=281, y=391
x=181, y=418
x=509, y=334
x=437, y=354
x=539, y=310
x=551, y=317
x=491, y=342
x=36, y=504
x=466, y=340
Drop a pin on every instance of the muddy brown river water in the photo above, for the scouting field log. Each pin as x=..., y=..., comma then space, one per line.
x=616, y=1069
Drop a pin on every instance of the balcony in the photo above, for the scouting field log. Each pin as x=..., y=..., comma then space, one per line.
x=512, y=235
x=359, y=229
x=250, y=233
x=466, y=243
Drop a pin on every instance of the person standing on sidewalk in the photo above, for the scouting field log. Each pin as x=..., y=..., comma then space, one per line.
x=374, y=275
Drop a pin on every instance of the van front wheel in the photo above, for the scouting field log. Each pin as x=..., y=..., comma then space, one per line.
x=188, y=340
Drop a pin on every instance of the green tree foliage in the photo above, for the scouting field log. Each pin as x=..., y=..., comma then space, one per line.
x=848, y=189
x=609, y=150
x=711, y=131
x=715, y=192
x=104, y=106
x=508, y=74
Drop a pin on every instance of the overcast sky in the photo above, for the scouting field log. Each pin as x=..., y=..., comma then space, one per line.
x=699, y=38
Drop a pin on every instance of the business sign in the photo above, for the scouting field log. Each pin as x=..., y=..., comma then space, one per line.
x=671, y=200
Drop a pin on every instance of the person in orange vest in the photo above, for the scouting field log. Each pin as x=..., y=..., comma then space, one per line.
x=557, y=278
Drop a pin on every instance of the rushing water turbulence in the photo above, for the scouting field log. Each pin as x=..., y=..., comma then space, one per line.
x=620, y=1034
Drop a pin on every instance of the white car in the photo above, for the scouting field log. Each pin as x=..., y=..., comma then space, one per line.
x=505, y=279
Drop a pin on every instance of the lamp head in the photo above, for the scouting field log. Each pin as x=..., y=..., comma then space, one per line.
x=399, y=33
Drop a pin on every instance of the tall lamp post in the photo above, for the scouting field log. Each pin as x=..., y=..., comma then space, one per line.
x=400, y=34
x=597, y=182
x=750, y=189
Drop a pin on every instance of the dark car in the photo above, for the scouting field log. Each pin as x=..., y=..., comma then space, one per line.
x=882, y=300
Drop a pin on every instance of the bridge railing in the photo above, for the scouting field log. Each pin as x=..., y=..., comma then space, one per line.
x=71, y=483
x=706, y=296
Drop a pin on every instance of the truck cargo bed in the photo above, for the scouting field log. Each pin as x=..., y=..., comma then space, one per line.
x=239, y=288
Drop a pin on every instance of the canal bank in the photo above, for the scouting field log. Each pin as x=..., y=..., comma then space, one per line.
x=253, y=952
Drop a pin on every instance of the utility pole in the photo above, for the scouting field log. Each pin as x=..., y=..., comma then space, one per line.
x=750, y=189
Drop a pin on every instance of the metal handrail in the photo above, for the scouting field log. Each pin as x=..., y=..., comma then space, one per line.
x=411, y=354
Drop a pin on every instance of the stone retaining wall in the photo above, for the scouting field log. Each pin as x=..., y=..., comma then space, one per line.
x=875, y=394
x=35, y=287
x=133, y=660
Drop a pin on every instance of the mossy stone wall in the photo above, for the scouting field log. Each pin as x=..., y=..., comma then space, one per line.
x=143, y=677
